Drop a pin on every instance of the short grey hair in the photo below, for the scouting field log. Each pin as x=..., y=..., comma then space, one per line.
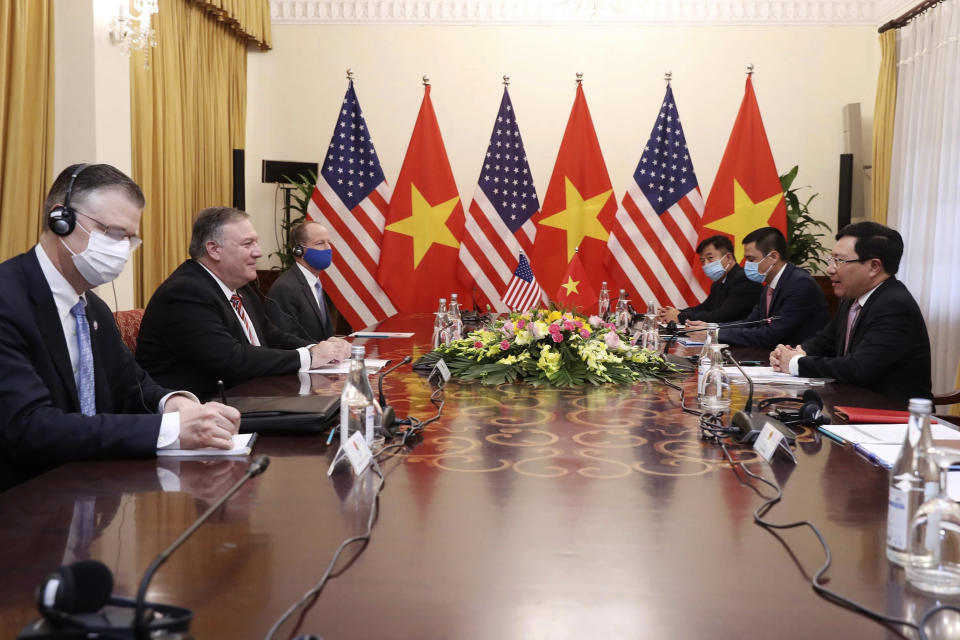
x=208, y=225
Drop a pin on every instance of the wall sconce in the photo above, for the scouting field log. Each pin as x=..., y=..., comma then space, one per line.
x=131, y=28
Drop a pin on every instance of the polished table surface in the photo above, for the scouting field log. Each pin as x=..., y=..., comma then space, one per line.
x=522, y=513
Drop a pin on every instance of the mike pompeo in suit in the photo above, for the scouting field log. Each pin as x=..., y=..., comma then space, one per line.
x=70, y=389
x=878, y=338
x=296, y=302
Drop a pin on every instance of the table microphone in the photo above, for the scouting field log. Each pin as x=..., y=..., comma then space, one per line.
x=750, y=423
x=389, y=418
x=142, y=627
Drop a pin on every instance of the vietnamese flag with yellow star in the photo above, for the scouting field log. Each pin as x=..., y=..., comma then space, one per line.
x=424, y=224
x=746, y=193
x=575, y=291
x=578, y=208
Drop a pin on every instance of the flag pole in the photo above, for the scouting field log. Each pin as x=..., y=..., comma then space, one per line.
x=506, y=81
x=667, y=76
x=426, y=81
x=750, y=69
x=579, y=77
x=350, y=75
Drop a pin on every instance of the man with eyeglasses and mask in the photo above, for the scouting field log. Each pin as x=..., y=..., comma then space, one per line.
x=789, y=294
x=70, y=389
x=296, y=302
x=731, y=296
x=878, y=338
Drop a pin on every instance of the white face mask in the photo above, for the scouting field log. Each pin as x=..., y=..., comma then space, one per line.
x=103, y=259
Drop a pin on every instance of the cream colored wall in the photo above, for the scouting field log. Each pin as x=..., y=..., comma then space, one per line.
x=92, y=103
x=804, y=75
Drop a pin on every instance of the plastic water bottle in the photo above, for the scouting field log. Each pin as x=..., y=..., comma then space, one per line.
x=622, y=320
x=603, y=303
x=359, y=409
x=439, y=323
x=453, y=318
x=914, y=478
x=703, y=364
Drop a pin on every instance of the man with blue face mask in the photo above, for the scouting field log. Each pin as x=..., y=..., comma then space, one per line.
x=70, y=389
x=731, y=295
x=790, y=295
x=296, y=302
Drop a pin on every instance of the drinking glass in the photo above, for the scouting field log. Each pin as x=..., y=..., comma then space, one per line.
x=934, y=542
x=716, y=383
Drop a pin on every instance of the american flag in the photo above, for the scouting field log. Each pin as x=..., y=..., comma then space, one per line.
x=523, y=291
x=654, y=237
x=498, y=226
x=351, y=199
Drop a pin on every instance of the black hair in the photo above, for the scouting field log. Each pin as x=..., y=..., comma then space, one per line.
x=208, y=225
x=768, y=239
x=875, y=240
x=94, y=177
x=721, y=243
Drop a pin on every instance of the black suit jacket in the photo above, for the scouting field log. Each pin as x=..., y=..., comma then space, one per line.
x=292, y=306
x=889, y=350
x=40, y=421
x=800, y=304
x=730, y=298
x=190, y=336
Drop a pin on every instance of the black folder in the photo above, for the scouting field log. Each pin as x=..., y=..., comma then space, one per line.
x=286, y=414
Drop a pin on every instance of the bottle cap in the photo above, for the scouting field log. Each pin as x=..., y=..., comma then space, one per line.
x=358, y=350
x=921, y=405
x=713, y=325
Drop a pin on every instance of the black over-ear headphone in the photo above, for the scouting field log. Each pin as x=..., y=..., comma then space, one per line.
x=811, y=408
x=298, y=250
x=74, y=595
x=62, y=219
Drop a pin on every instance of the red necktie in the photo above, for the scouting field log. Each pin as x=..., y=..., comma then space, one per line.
x=769, y=298
x=238, y=305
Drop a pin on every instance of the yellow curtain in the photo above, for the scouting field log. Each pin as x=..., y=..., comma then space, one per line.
x=26, y=120
x=249, y=19
x=188, y=114
x=884, y=110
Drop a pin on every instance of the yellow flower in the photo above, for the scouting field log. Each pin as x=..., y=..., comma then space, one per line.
x=508, y=360
x=553, y=316
x=523, y=337
x=549, y=360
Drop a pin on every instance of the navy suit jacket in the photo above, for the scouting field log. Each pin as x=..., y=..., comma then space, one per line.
x=730, y=298
x=191, y=337
x=40, y=421
x=800, y=304
x=292, y=305
x=889, y=349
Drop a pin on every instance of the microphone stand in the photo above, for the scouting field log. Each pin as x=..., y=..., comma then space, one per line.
x=389, y=418
x=257, y=466
x=744, y=420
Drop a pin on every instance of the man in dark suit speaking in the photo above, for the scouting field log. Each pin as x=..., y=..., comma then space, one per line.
x=731, y=296
x=296, y=302
x=790, y=294
x=70, y=389
x=878, y=338
x=206, y=323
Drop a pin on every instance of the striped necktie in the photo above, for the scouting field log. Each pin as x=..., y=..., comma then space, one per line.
x=86, y=391
x=851, y=318
x=238, y=306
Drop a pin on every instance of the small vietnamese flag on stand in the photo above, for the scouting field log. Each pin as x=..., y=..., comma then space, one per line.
x=424, y=225
x=575, y=291
x=746, y=193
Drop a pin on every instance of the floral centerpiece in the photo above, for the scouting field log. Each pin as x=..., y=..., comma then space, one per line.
x=550, y=347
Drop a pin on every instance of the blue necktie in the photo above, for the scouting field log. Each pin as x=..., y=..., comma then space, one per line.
x=323, y=307
x=85, y=384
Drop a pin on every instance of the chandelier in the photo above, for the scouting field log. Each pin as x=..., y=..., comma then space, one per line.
x=131, y=28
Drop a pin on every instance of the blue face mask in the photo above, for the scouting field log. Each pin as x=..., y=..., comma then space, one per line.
x=715, y=270
x=752, y=269
x=318, y=258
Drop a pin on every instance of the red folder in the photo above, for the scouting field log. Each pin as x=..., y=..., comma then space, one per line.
x=871, y=416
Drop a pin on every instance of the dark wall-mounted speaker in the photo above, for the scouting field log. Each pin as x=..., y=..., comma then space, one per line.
x=275, y=170
x=239, y=197
x=845, y=197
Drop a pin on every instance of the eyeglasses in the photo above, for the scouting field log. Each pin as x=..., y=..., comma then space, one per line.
x=835, y=262
x=116, y=233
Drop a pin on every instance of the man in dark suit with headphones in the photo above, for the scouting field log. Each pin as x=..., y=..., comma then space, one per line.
x=878, y=338
x=70, y=389
x=206, y=323
x=297, y=302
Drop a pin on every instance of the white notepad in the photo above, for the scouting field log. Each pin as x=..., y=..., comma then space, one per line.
x=242, y=446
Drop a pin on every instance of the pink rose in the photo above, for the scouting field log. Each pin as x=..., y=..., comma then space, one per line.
x=553, y=329
x=610, y=326
x=508, y=328
x=477, y=344
x=578, y=324
x=567, y=325
x=584, y=334
x=612, y=340
x=595, y=321
x=504, y=345
x=521, y=323
x=557, y=336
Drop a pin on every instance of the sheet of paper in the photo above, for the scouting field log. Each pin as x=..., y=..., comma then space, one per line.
x=885, y=433
x=373, y=365
x=953, y=485
x=766, y=375
x=883, y=454
x=381, y=334
x=242, y=445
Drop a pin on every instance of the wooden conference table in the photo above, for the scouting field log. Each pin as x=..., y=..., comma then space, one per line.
x=523, y=513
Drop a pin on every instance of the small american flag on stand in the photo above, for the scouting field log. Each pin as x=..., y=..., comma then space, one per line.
x=523, y=291
x=351, y=200
x=498, y=227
